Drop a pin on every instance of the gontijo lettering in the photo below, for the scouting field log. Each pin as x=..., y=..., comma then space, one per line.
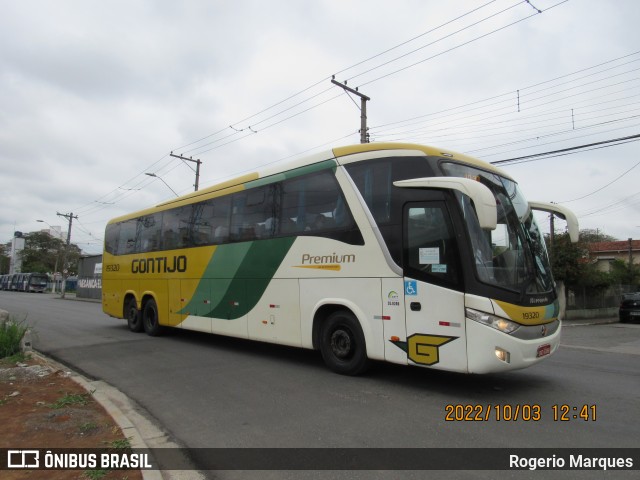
x=159, y=264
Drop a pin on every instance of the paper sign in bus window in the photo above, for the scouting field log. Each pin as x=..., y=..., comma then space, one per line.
x=429, y=255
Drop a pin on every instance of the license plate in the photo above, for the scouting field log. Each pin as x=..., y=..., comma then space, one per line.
x=543, y=350
x=634, y=314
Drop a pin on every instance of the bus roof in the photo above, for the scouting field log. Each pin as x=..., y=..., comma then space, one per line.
x=339, y=154
x=425, y=149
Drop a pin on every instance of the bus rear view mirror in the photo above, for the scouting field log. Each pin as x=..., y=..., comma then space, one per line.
x=562, y=212
x=481, y=196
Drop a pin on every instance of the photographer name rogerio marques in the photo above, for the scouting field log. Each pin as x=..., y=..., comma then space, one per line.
x=573, y=462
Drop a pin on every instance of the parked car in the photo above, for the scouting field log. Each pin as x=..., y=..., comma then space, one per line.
x=630, y=307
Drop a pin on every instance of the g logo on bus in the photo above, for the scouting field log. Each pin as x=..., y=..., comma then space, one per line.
x=424, y=349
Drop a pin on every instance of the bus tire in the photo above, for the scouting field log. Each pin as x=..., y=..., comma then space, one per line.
x=150, y=318
x=342, y=344
x=133, y=315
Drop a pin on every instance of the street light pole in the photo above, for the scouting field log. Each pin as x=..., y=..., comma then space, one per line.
x=160, y=178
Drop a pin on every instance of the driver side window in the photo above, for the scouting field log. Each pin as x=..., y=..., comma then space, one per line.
x=430, y=247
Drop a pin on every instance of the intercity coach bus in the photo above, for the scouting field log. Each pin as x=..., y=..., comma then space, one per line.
x=397, y=252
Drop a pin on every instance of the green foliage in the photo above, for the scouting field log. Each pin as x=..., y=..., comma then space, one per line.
x=621, y=274
x=43, y=253
x=96, y=474
x=589, y=235
x=5, y=261
x=11, y=333
x=70, y=399
x=124, y=443
x=571, y=263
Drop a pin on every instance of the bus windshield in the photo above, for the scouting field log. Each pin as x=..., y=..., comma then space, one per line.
x=514, y=255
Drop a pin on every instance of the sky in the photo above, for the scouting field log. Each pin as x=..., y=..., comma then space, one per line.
x=97, y=94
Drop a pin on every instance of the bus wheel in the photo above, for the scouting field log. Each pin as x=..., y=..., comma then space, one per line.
x=133, y=316
x=342, y=344
x=150, y=318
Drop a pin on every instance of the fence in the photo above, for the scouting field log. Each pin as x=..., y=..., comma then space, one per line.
x=584, y=298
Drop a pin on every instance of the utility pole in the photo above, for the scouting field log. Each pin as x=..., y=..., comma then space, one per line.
x=364, y=136
x=630, y=260
x=552, y=234
x=65, y=272
x=198, y=162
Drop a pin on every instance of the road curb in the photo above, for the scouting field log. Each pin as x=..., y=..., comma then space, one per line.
x=589, y=321
x=141, y=432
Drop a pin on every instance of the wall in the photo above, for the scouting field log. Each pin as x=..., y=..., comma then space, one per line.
x=90, y=277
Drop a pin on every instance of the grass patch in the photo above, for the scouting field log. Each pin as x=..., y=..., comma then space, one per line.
x=95, y=474
x=125, y=443
x=20, y=357
x=11, y=333
x=71, y=399
x=89, y=427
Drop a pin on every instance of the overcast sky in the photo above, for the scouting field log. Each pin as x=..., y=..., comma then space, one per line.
x=95, y=94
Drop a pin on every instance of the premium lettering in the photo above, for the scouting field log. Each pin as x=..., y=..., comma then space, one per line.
x=159, y=264
x=324, y=259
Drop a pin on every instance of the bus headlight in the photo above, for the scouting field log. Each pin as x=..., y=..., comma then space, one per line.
x=499, y=323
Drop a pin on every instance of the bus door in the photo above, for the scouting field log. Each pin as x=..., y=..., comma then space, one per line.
x=433, y=297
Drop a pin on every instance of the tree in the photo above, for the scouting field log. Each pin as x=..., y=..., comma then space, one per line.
x=43, y=253
x=5, y=261
x=569, y=260
x=570, y=263
x=622, y=274
x=589, y=235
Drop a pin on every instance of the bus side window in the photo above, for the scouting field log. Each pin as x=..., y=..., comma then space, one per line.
x=293, y=206
x=202, y=231
x=128, y=237
x=150, y=231
x=220, y=217
x=313, y=204
x=111, y=238
x=175, y=228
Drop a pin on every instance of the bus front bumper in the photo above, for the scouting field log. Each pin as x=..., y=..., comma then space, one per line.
x=490, y=350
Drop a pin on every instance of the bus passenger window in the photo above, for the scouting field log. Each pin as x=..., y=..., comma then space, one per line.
x=128, y=237
x=175, y=228
x=251, y=214
x=209, y=221
x=150, y=230
x=111, y=238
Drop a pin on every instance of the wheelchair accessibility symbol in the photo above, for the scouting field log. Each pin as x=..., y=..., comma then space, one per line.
x=410, y=287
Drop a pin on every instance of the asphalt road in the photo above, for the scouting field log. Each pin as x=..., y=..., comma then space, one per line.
x=212, y=391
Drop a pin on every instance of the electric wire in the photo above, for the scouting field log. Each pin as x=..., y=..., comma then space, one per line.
x=213, y=144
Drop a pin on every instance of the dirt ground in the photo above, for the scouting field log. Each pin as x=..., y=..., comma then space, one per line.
x=42, y=407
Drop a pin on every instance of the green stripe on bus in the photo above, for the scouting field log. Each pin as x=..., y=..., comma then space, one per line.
x=236, y=278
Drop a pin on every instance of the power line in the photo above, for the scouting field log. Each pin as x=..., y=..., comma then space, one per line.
x=477, y=104
x=603, y=187
x=254, y=124
x=541, y=156
x=129, y=187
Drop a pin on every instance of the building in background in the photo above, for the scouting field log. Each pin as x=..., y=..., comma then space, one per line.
x=604, y=253
x=17, y=245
